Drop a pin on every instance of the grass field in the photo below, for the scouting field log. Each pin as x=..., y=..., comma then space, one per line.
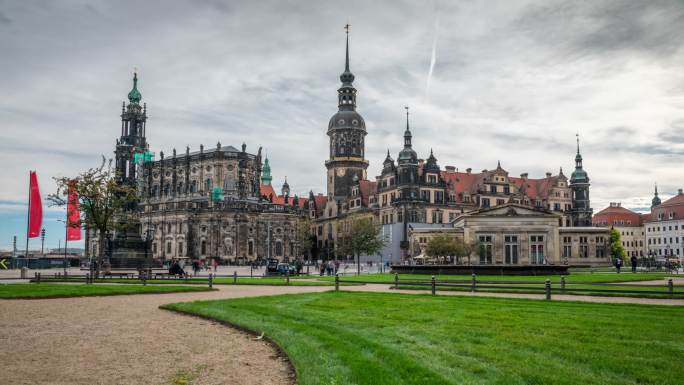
x=55, y=290
x=269, y=281
x=571, y=278
x=377, y=339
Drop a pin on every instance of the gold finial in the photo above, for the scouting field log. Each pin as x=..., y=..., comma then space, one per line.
x=346, y=27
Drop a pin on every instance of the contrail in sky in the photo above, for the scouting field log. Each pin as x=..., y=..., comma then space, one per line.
x=433, y=59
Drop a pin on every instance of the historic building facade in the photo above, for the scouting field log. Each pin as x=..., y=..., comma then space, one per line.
x=664, y=228
x=514, y=234
x=412, y=190
x=628, y=223
x=211, y=203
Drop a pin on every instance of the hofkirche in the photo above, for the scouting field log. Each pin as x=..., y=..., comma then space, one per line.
x=219, y=203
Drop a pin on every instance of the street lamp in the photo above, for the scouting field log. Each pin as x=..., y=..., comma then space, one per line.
x=66, y=240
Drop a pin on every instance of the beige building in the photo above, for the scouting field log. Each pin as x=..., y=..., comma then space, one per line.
x=514, y=234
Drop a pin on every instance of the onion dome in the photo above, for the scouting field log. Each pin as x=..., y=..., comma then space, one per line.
x=134, y=96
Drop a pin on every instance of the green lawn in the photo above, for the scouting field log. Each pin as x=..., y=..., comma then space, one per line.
x=56, y=290
x=269, y=281
x=361, y=338
x=571, y=278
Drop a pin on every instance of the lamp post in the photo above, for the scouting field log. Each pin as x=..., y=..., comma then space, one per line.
x=66, y=241
x=42, y=241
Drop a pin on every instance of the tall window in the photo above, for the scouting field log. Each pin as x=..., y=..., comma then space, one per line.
x=180, y=249
x=203, y=247
x=168, y=247
x=537, y=249
x=250, y=247
x=485, y=249
x=511, y=249
x=485, y=202
x=567, y=247
x=278, y=249
x=583, y=247
x=207, y=185
x=600, y=247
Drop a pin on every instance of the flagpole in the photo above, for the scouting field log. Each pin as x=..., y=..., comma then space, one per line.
x=28, y=221
x=66, y=234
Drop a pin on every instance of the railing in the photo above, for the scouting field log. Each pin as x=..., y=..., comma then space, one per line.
x=545, y=287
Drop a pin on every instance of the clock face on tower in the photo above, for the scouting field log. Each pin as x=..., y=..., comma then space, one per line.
x=340, y=172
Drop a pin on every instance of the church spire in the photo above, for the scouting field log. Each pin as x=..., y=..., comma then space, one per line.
x=266, y=173
x=656, y=199
x=407, y=133
x=346, y=94
x=134, y=96
x=578, y=157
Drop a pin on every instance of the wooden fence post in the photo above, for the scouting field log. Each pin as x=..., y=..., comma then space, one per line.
x=235, y=277
x=337, y=282
x=434, y=289
x=473, y=283
x=211, y=280
x=547, y=288
x=396, y=280
x=670, y=287
x=287, y=275
x=563, y=284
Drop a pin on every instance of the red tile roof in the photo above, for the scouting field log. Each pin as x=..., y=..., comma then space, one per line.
x=267, y=191
x=672, y=208
x=614, y=215
x=469, y=182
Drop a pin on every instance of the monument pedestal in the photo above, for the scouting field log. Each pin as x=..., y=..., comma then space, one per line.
x=129, y=250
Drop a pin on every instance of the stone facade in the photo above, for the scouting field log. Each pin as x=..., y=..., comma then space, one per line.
x=514, y=234
x=203, y=204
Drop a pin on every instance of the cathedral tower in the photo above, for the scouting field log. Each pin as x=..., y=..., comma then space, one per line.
x=579, y=184
x=132, y=140
x=346, y=130
x=656, y=199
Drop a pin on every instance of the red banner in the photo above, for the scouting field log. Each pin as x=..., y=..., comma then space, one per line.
x=73, y=214
x=35, y=207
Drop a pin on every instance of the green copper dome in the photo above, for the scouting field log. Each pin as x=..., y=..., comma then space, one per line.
x=266, y=173
x=134, y=96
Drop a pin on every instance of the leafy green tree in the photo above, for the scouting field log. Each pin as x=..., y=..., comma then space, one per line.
x=441, y=246
x=616, y=248
x=304, y=236
x=105, y=204
x=364, y=238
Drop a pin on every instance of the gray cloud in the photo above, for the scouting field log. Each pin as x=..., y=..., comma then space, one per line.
x=513, y=80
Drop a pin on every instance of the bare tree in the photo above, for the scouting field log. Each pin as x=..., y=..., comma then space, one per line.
x=364, y=238
x=105, y=203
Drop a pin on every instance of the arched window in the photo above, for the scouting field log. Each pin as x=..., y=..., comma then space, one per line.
x=250, y=247
x=278, y=249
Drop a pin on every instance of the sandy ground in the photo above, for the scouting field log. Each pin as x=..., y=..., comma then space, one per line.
x=129, y=340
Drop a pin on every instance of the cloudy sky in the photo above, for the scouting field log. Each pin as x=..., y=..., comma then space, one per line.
x=485, y=80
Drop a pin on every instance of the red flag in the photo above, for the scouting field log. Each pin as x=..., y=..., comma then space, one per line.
x=73, y=214
x=35, y=207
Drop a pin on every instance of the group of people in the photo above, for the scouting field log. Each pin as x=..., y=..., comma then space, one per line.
x=176, y=266
x=329, y=268
x=618, y=263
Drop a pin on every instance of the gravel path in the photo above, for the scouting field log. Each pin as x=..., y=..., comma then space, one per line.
x=129, y=340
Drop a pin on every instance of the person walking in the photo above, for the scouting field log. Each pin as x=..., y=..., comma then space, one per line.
x=634, y=263
x=618, y=263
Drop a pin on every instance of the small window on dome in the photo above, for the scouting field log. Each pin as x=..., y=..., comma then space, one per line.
x=341, y=121
x=355, y=122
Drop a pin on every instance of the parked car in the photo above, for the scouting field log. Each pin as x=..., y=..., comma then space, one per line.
x=283, y=268
x=272, y=266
